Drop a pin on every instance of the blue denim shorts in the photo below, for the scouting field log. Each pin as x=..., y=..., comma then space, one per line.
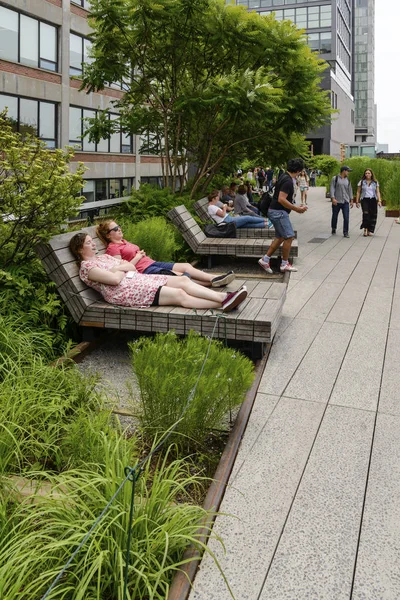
x=156, y=267
x=281, y=222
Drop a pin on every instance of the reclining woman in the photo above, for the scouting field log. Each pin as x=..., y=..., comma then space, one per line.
x=111, y=234
x=119, y=282
x=219, y=215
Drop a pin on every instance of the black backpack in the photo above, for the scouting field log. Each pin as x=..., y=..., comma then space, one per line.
x=223, y=230
x=265, y=203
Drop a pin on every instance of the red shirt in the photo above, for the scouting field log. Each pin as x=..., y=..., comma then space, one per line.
x=128, y=251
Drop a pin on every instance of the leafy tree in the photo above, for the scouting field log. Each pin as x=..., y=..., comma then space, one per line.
x=37, y=190
x=205, y=82
x=37, y=194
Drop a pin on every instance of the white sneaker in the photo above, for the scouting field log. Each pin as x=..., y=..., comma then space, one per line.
x=265, y=265
x=288, y=267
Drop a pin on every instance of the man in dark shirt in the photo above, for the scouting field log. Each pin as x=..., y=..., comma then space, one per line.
x=279, y=210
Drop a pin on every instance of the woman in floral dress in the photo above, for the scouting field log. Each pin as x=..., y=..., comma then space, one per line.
x=119, y=282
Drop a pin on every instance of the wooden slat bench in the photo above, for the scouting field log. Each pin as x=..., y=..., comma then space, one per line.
x=255, y=321
x=244, y=232
x=200, y=244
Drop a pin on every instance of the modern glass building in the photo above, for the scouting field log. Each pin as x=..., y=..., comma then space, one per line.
x=42, y=46
x=364, y=72
x=329, y=28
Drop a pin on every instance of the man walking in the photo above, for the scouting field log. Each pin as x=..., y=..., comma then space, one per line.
x=279, y=210
x=341, y=195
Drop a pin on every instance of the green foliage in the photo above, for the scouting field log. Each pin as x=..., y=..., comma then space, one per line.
x=384, y=170
x=38, y=193
x=212, y=83
x=154, y=235
x=167, y=369
x=328, y=165
x=391, y=193
x=37, y=401
x=37, y=190
x=56, y=433
x=150, y=201
x=37, y=539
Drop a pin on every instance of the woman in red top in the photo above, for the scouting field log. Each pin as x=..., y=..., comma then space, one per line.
x=111, y=234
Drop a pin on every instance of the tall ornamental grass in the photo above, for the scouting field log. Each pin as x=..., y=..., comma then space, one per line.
x=167, y=370
x=154, y=235
x=37, y=539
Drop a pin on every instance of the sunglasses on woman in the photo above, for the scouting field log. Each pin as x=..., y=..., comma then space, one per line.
x=116, y=228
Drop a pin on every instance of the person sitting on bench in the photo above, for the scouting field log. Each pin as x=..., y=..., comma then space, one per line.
x=219, y=215
x=120, y=283
x=111, y=234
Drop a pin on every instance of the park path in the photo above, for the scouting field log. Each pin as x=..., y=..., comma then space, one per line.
x=312, y=510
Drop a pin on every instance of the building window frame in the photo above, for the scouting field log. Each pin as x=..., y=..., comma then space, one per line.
x=123, y=147
x=105, y=183
x=50, y=142
x=41, y=61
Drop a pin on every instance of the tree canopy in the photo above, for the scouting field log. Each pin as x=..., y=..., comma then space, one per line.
x=205, y=81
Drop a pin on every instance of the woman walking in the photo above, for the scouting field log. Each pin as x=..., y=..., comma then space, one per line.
x=302, y=184
x=368, y=192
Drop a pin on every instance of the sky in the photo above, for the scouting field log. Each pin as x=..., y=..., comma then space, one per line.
x=387, y=69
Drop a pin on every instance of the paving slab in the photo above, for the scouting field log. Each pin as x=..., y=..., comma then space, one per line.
x=377, y=575
x=348, y=306
x=316, y=554
x=322, y=301
x=298, y=296
x=286, y=354
x=316, y=375
x=263, y=407
x=256, y=507
x=359, y=379
x=389, y=401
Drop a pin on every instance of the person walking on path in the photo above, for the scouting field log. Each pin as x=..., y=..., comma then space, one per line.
x=279, y=210
x=261, y=178
x=302, y=183
x=368, y=192
x=342, y=197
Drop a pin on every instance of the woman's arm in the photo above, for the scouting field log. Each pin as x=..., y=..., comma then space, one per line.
x=108, y=277
x=221, y=212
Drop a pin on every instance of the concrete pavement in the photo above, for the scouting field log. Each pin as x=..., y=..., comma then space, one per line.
x=313, y=506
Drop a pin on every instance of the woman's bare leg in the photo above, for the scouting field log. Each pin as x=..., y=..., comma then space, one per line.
x=199, y=276
x=195, y=290
x=179, y=297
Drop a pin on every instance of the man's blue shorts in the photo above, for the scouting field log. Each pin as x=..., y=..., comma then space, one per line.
x=156, y=267
x=281, y=222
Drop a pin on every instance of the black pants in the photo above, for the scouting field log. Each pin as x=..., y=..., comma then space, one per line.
x=370, y=213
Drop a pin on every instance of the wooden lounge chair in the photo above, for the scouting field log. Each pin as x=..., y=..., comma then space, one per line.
x=255, y=321
x=201, y=210
x=200, y=244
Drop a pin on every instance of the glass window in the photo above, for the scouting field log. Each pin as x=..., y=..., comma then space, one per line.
x=88, y=146
x=75, y=126
x=313, y=41
x=101, y=189
x=88, y=190
x=126, y=187
x=115, y=138
x=48, y=47
x=29, y=41
x=115, y=191
x=47, y=120
x=32, y=117
x=8, y=34
x=37, y=40
x=326, y=42
x=75, y=54
x=28, y=116
x=265, y=3
x=87, y=47
x=11, y=103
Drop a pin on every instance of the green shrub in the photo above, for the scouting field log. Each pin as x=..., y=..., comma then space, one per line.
x=150, y=201
x=392, y=188
x=167, y=370
x=154, y=235
x=383, y=170
x=36, y=540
